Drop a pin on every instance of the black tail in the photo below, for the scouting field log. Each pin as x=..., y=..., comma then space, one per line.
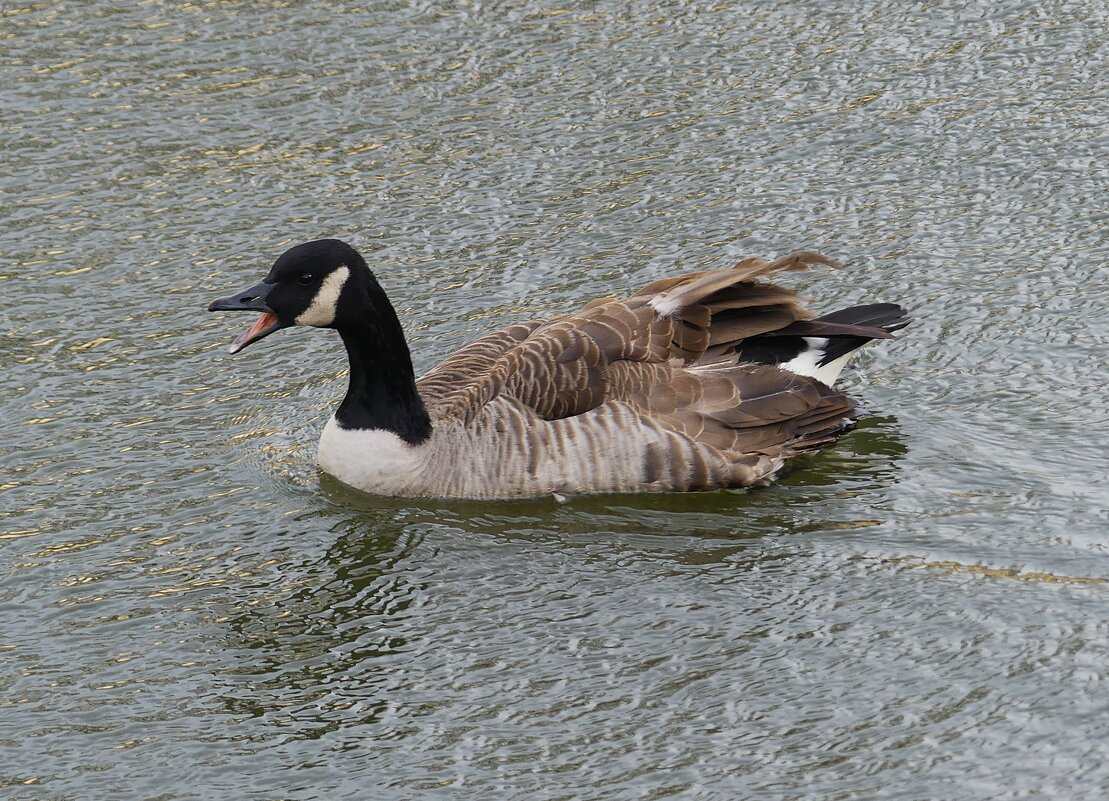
x=845, y=330
x=887, y=316
x=883, y=318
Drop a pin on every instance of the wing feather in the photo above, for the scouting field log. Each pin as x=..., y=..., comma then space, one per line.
x=668, y=354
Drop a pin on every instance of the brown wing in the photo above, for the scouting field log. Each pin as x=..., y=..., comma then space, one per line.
x=459, y=379
x=738, y=408
x=652, y=350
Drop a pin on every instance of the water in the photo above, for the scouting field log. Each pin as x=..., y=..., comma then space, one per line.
x=189, y=610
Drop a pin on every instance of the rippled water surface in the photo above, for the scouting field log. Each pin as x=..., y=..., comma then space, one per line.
x=190, y=610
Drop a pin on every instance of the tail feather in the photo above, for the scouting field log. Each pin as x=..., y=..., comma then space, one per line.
x=886, y=316
x=711, y=312
x=821, y=347
x=729, y=316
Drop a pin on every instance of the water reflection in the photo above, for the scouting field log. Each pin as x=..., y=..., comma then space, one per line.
x=319, y=649
x=330, y=619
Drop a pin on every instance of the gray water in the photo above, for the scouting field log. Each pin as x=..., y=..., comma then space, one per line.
x=190, y=610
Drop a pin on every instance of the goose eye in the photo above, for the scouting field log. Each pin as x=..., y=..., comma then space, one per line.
x=306, y=279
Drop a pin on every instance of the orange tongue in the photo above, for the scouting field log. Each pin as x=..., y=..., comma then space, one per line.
x=260, y=325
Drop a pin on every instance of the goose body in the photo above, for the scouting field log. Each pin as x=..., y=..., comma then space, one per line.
x=711, y=379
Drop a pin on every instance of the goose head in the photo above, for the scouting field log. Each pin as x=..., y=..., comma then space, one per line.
x=326, y=284
x=323, y=284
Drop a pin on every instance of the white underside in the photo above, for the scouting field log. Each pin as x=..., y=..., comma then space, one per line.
x=373, y=460
x=805, y=363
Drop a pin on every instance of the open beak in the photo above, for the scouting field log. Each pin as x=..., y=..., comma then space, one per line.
x=253, y=299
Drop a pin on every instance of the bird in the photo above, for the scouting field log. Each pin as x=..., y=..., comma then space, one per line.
x=703, y=381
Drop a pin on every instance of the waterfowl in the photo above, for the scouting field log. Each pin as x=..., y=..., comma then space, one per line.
x=710, y=379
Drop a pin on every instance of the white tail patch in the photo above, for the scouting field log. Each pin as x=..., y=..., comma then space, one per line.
x=806, y=362
x=321, y=312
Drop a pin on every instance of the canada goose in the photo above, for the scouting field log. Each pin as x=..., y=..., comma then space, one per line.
x=706, y=380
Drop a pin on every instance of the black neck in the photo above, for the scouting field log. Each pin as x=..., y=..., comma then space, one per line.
x=382, y=392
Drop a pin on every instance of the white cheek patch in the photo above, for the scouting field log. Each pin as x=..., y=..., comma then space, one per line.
x=321, y=311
